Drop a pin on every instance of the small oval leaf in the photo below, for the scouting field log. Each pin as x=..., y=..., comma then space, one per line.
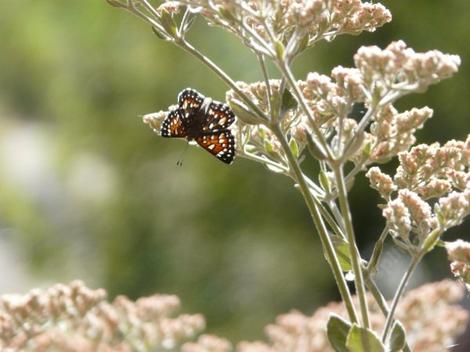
x=397, y=338
x=337, y=331
x=294, y=147
x=343, y=253
x=324, y=181
x=288, y=101
x=363, y=340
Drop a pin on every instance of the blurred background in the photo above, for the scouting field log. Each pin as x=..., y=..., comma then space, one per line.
x=88, y=191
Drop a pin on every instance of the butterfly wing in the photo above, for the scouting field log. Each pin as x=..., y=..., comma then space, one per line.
x=190, y=102
x=221, y=144
x=173, y=125
x=218, y=117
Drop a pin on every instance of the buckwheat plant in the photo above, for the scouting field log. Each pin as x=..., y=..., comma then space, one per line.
x=281, y=122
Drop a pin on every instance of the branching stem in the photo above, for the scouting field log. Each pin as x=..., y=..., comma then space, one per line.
x=354, y=252
x=401, y=289
x=320, y=226
x=286, y=71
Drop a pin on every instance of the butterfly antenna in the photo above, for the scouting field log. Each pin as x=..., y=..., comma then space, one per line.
x=179, y=162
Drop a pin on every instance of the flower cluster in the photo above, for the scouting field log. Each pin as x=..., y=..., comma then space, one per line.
x=208, y=343
x=429, y=314
x=75, y=318
x=379, y=78
x=263, y=25
x=459, y=256
x=398, y=67
x=393, y=132
x=432, y=190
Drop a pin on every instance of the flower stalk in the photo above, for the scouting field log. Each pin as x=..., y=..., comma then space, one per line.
x=354, y=251
x=319, y=225
x=399, y=292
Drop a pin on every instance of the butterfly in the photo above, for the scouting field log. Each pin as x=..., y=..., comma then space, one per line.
x=203, y=120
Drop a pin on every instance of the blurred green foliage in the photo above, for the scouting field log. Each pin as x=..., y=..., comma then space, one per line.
x=87, y=191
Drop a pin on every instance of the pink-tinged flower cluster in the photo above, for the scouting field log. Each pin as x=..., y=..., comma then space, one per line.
x=382, y=133
x=294, y=23
x=398, y=67
x=459, y=257
x=208, y=343
x=392, y=132
x=426, y=173
x=429, y=314
x=75, y=318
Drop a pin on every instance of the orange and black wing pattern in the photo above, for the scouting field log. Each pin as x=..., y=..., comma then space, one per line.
x=220, y=144
x=173, y=125
x=218, y=117
x=190, y=102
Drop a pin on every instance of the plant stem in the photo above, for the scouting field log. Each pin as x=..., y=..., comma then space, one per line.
x=264, y=160
x=354, y=252
x=320, y=226
x=266, y=81
x=229, y=81
x=401, y=288
x=285, y=69
x=381, y=302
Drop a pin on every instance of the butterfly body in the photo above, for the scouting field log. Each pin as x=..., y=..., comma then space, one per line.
x=204, y=121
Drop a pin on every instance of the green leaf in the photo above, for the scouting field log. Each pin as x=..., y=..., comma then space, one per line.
x=366, y=152
x=168, y=23
x=343, y=253
x=397, y=338
x=159, y=35
x=269, y=148
x=288, y=101
x=294, y=147
x=432, y=240
x=279, y=47
x=324, y=181
x=337, y=330
x=363, y=340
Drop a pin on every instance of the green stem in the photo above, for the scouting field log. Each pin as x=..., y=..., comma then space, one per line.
x=401, y=288
x=381, y=301
x=354, y=252
x=285, y=69
x=378, y=297
x=319, y=224
x=266, y=82
x=230, y=82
